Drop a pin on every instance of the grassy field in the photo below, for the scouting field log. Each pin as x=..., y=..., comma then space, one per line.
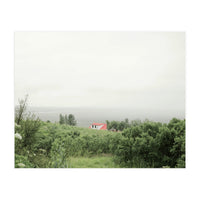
x=103, y=161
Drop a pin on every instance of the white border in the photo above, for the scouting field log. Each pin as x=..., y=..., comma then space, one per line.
x=104, y=15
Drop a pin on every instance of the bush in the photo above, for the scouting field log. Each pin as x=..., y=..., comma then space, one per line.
x=22, y=162
x=152, y=144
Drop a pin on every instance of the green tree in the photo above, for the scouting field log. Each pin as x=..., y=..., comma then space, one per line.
x=126, y=121
x=61, y=119
x=28, y=122
x=177, y=127
x=66, y=120
x=114, y=125
x=136, y=122
x=121, y=125
x=71, y=120
x=21, y=109
x=29, y=128
x=108, y=124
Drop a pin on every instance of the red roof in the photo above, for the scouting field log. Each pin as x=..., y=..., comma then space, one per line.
x=104, y=126
x=98, y=124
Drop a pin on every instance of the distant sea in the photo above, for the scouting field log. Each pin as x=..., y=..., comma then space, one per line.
x=86, y=116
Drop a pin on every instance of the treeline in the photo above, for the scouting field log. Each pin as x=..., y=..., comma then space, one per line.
x=117, y=125
x=121, y=125
x=68, y=120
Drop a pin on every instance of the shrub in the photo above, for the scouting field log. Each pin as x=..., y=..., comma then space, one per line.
x=22, y=162
x=152, y=144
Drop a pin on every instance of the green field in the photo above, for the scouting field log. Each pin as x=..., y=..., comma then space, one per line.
x=104, y=161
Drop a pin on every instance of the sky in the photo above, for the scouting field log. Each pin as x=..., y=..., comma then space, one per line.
x=136, y=70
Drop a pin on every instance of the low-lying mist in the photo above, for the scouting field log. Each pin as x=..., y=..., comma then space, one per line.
x=87, y=115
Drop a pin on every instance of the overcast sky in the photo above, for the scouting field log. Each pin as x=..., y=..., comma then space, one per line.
x=143, y=70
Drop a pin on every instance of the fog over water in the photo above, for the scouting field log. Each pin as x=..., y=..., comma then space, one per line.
x=86, y=116
x=101, y=75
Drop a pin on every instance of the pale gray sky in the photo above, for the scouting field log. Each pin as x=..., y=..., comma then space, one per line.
x=101, y=69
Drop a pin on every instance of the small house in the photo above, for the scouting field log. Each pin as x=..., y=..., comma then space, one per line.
x=98, y=126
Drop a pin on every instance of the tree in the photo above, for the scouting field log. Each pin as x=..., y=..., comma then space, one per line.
x=28, y=122
x=62, y=119
x=114, y=125
x=136, y=122
x=108, y=124
x=126, y=121
x=20, y=110
x=71, y=120
x=66, y=120
x=29, y=128
x=121, y=125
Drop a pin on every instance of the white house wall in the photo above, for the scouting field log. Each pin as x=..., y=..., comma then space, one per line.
x=97, y=127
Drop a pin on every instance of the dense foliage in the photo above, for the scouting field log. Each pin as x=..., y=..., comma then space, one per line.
x=152, y=144
x=138, y=144
x=70, y=120
x=148, y=144
x=117, y=125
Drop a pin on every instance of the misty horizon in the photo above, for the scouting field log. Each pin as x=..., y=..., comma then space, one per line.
x=87, y=115
x=138, y=72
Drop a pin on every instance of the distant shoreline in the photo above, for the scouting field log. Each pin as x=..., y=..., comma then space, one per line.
x=85, y=116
